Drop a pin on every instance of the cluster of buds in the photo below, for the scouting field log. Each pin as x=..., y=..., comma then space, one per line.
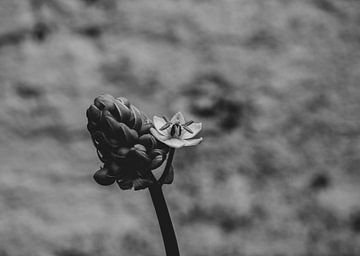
x=124, y=143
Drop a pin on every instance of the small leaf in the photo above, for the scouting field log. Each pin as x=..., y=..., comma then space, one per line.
x=169, y=177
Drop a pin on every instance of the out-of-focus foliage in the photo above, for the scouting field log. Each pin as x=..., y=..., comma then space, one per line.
x=275, y=84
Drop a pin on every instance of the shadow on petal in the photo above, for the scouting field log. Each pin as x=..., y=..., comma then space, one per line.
x=175, y=143
x=192, y=142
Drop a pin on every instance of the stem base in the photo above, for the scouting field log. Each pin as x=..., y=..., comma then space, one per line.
x=163, y=215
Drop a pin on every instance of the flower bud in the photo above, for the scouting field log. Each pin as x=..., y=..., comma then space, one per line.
x=121, y=135
x=102, y=177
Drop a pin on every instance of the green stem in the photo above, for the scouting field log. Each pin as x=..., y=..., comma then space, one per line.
x=166, y=226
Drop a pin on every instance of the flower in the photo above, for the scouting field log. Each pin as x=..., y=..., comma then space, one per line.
x=176, y=133
x=121, y=135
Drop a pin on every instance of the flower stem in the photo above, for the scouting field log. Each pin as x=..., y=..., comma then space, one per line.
x=166, y=227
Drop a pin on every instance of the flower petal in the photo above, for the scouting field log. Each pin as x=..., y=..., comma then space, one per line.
x=158, y=122
x=178, y=117
x=174, y=143
x=192, y=142
x=159, y=136
x=195, y=127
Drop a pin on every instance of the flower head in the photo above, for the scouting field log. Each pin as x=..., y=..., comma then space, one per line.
x=121, y=135
x=176, y=133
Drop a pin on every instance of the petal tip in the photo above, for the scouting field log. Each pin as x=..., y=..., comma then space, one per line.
x=178, y=117
x=193, y=142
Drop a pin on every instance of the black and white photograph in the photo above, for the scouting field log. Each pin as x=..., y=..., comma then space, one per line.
x=179, y=127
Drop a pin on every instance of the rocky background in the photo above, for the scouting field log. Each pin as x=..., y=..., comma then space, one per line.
x=275, y=83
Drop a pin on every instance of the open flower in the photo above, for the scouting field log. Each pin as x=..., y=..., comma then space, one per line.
x=176, y=133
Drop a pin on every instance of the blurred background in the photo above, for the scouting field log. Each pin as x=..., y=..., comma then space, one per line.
x=274, y=82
